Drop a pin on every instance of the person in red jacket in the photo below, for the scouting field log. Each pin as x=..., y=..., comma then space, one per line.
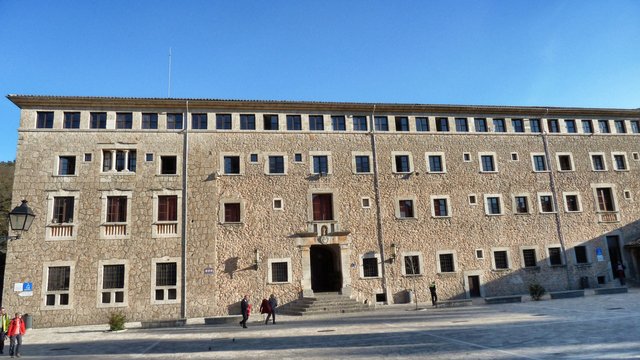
x=17, y=328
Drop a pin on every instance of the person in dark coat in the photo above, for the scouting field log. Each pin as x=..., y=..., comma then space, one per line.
x=273, y=303
x=245, y=308
x=265, y=308
x=620, y=270
x=434, y=296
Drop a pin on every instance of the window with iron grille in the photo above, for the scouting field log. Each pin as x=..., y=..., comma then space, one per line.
x=247, y=122
x=232, y=212
x=360, y=123
x=67, y=165
x=422, y=124
x=169, y=165
x=44, y=120
x=166, y=281
x=402, y=123
x=446, y=263
x=223, y=122
x=294, y=122
x=124, y=120
x=98, y=120
x=168, y=208
x=362, y=164
x=71, y=120
x=412, y=265
x=581, y=254
x=480, y=124
x=555, y=256
x=499, y=125
x=279, y=272
x=113, y=284
x=232, y=164
x=63, y=209
x=338, y=123
x=402, y=163
x=382, y=123
x=276, y=164
x=529, y=257
x=199, y=121
x=174, y=121
x=58, y=280
x=370, y=267
x=116, y=209
x=501, y=260
x=442, y=124
x=316, y=122
x=149, y=121
x=406, y=209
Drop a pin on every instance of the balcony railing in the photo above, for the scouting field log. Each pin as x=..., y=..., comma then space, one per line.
x=609, y=217
x=164, y=229
x=113, y=230
x=61, y=231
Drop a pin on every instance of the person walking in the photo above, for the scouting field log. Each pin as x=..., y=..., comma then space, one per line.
x=620, y=270
x=273, y=303
x=434, y=296
x=245, y=308
x=15, y=332
x=4, y=327
x=265, y=308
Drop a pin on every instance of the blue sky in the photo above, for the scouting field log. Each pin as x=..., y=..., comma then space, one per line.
x=509, y=52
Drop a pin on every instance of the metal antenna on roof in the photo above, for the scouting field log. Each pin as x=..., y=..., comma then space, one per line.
x=169, y=90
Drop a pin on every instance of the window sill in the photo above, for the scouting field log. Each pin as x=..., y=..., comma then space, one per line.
x=168, y=175
x=448, y=274
x=124, y=173
x=407, y=218
x=275, y=174
x=412, y=275
x=561, y=266
x=64, y=175
x=279, y=283
x=494, y=214
x=583, y=266
x=488, y=172
x=500, y=270
x=532, y=268
x=370, y=277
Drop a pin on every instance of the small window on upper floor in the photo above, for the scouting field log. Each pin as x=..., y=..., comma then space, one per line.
x=473, y=200
x=539, y=162
x=499, y=125
x=278, y=204
x=636, y=156
x=422, y=124
x=480, y=124
x=620, y=127
x=487, y=163
x=514, y=156
x=553, y=125
x=297, y=157
x=223, y=122
x=466, y=157
x=479, y=254
x=402, y=164
x=493, y=205
x=405, y=209
x=462, y=125
x=572, y=202
x=570, y=125
x=149, y=121
x=253, y=158
x=604, y=126
x=442, y=124
x=366, y=202
x=436, y=163
x=71, y=120
x=440, y=207
x=270, y=122
x=316, y=122
x=149, y=156
x=587, y=126
x=534, y=125
x=518, y=125
x=581, y=254
x=338, y=123
x=231, y=164
x=174, y=121
x=276, y=164
x=67, y=165
x=382, y=123
x=44, y=120
x=247, y=122
x=232, y=212
x=598, y=163
x=402, y=123
x=360, y=123
x=124, y=120
x=199, y=121
x=294, y=122
x=635, y=126
x=168, y=165
x=98, y=120
x=362, y=163
x=546, y=203
x=521, y=204
x=87, y=157
x=627, y=194
x=320, y=164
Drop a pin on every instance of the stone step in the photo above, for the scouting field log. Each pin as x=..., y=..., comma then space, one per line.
x=323, y=304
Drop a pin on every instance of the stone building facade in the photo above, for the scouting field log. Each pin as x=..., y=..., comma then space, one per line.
x=137, y=214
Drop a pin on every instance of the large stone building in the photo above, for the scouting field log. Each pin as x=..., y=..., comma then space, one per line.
x=135, y=214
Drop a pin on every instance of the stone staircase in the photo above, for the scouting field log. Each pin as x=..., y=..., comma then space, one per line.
x=323, y=303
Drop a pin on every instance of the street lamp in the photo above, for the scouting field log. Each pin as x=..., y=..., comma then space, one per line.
x=20, y=219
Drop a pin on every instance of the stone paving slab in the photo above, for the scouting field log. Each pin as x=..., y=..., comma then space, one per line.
x=590, y=327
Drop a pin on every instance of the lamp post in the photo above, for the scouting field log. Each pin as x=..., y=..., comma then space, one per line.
x=20, y=219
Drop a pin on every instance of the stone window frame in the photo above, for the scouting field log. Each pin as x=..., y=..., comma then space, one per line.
x=115, y=148
x=393, y=162
x=615, y=163
x=433, y=211
x=257, y=156
x=369, y=255
x=495, y=162
x=539, y=195
x=479, y=252
x=160, y=157
x=635, y=156
x=466, y=157
x=231, y=200
x=604, y=160
x=627, y=195
x=56, y=167
x=51, y=195
x=570, y=155
x=329, y=156
x=155, y=201
x=266, y=157
x=45, y=282
x=368, y=154
x=456, y=268
x=274, y=203
x=533, y=163
x=565, y=203
x=414, y=203
x=493, y=258
x=367, y=200
x=442, y=158
x=125, y=289
x=587, y=253
x=614, y=196
x=240, y=157
x=301, y=161
x=522, y=259
x=514, y=156
x=88, y=157
x=103, y=216
x=486, y=204
x=154, y=287
x=515, y=205
x=420, y=263
x=548, y=259
x=270, y=261
x=473, y=197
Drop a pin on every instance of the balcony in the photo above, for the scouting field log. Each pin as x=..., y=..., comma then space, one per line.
x=114, y=230
x=60, y=231
x=165, y=229
x=609, y=217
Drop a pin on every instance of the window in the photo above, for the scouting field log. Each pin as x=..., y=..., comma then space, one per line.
x=294, y=122
x=518, y=125
x=98, y=120
x=63, y=209
x=581, y=254
x=247, y=122
x=200, y=121
x=231, y=164
x=479, y=254
x=521, y=204
x=565, y=162
x=480, y=124
x=382, y=123
x=360, y=123
x=362, y=164
x=365, y=202
x=472, y=200
x=604, y=126
x=446, y=263
x=598, y=163
x=370, y=267
x=45, y=120
x=627, y=194
x=320, y=164
x=514, y=156
x=493, y=205
x=168, y=165
x=297, y=157
x=270, y=122
x=499, y=126
x=174, y=121
x=412, y=264
x=501, y=260
x=58, y=286
x=570, y=125
x=555, y=256
x=466, y=157
x=539, y=162
x=118, y=161
x=232, y=212
x=71, y=120
x=572, y=202
x=553, y=125
x=620, y=127
x=620, y=161
x=87, y=157
x=113, y=284
x=529, y=258
x=587, y=126
x=435, y=163
x=487, y=163
x=405, y=209
x=279, y=271
x=316, y=122
x=605, y=199
x=67, y=165
x=546, y=203
x=534, y=124
x=442, y=124
x=635, y=126
x=149, y=121
x=278, y=204
x=462, y=125
x=322, y=207
x=440, y=207
x=402, y=123
x=166, y=282
x=223, y=122
x=168, y=208
x=276, y=164
x=149, y=157
x=253, y=158
x=402, y=164
x=422, y=124
x=116, y=209
x=124, y=120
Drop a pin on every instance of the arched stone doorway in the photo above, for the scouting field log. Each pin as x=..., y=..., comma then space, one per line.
x=326, y=271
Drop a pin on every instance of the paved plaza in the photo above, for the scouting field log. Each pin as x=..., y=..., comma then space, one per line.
x=592, y=327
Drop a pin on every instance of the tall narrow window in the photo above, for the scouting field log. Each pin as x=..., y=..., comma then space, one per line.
x=338, y=123
x=620, y=162
x=462, y=125
x=369, y=267
x=113, y=284
x=322, y=207
x=149, y=121
x=487, y=163
x=581, y=254
x=493, y=205
x=597, y=161
x=58, y=280
x=45, y=120
x=166, y=289
x=436, y=163
x=565, y=163
x=539, y=163
x=635, y=126
x=71, y=120
x=362, y=164
x=294, y=122
x=605, y=199
x=521, y=205
x=620, y=126
x=555, y=256
x=440, y=207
